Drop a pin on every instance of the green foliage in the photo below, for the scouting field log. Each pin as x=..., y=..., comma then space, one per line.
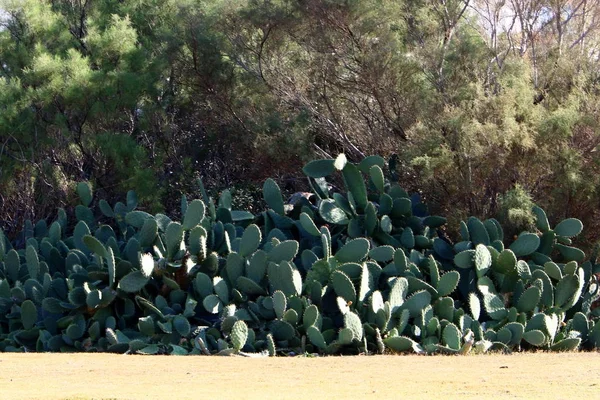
x=140, y=95
x=516, y=209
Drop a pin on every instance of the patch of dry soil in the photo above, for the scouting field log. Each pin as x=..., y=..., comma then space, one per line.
x=108, y=376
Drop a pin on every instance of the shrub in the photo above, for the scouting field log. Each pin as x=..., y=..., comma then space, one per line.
x=358, y=272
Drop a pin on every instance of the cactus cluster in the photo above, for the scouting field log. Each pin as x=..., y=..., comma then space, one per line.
x=360, y=271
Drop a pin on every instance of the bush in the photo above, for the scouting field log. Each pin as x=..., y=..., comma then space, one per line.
x=358, y=272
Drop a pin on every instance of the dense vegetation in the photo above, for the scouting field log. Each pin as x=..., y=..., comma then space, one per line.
x=365, y=270
x=488, y=105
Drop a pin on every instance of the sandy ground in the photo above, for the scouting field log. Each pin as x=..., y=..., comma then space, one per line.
x=103, y=376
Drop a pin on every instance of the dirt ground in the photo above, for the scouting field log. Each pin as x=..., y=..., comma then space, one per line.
x=103, y=376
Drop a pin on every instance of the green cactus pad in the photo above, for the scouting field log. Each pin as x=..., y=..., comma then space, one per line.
x=444, y=308
x=407, y=238
x=477, y=232
x=282, y=330
x=239, y=335
x=415, y=284
x=569, y=227
x=165, y=327
x=148, y=350
x=594, y=335
x=434, y=221
x=398, y=293
x=541, y=220
x=249, y=287
x=84, y=191
x=285, y=277
x=257, y=266
x=569, y=344
x=29, y=314
x=506, y=262
x=212, y=304
x=434, y=271
x=526, y=244
x=494, y=305
x=272, y=196
x=49, y=304
x=319, y=168
x=148, y=232
x=353, y=322
x=451, y=336
x=352, y=270
x=355, y=184
x=504, y=335
x=529, y=299
x=33, y=262
x=492, y=230
x=137, y=218
x=343, y=286
x=284, y=251
x=12, y=265
x=553, y=271
x=310, y=317
x=279, y=303
x=291, y=317
x=193, y=214
x=93, y=299
x=271, y=345
x=384, y=316
x=474, y=306
x=400, y=260
x=483, y=260
x=382, y=253
x=570, y=253
x=54, y=235
x=581, y=324
x=146, y=326
x=143, y=303
x=173, y=235
x=399, y=343
x=570, y=268
x=547, y=243
x=316, y=337
x=354, y=250
x=465, y=259
x=345, y=336
x=132, y=200
x=417, y=302
x=368, y=162
x=106, y=209
x=536, y=322
x=221, y=289
x=567, y=289
x=517, y=330
x=376, y=174
x=181, y=325
x=203, y=285
x=535, y=337
x=367, y=284
x=110, y=262
x=523, y=270
x=551, y=324
x=133, y=282
x=309, y=225
x=331, y=213
x=95, y=245
x=448, y=283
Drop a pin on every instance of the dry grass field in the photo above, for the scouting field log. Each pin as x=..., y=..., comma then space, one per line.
x=104, y=376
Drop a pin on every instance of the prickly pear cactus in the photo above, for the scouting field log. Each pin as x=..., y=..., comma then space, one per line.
x=365, y=270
